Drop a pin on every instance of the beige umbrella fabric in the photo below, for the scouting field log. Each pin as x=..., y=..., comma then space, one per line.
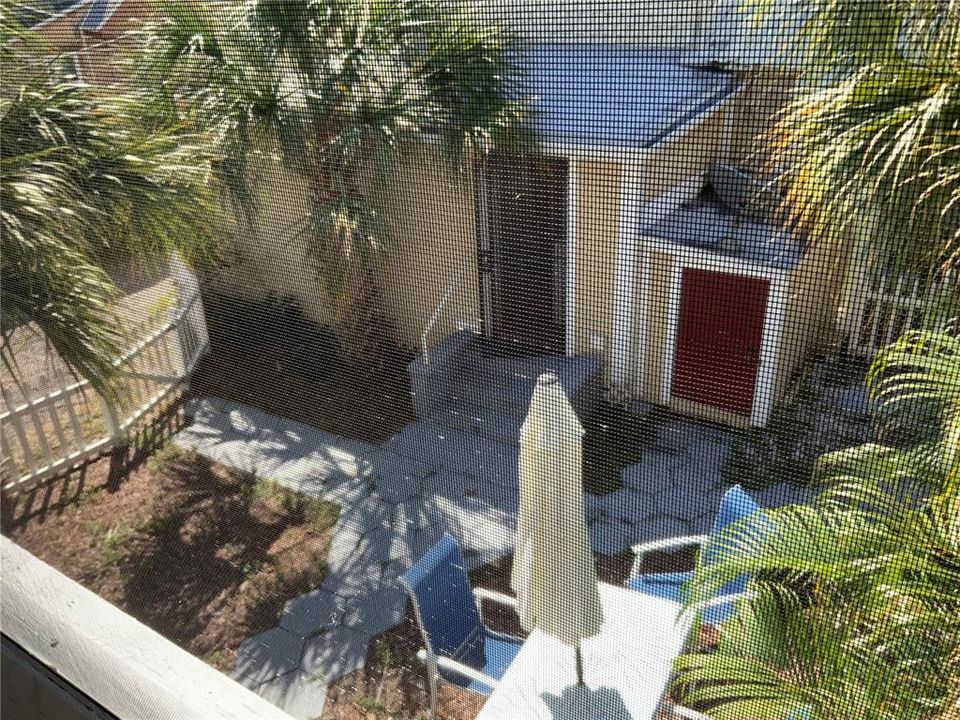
x=554, y=574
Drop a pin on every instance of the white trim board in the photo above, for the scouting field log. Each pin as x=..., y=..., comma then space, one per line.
x=771, y=335
x=622, y=381
x=114, y=659
x=573, y=187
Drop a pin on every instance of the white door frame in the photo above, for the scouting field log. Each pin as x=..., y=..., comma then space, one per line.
x=570, y=271
x=774, y=314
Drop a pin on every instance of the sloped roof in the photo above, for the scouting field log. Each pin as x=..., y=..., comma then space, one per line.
x=99, y=14
x=34, y=12
x=615, y=95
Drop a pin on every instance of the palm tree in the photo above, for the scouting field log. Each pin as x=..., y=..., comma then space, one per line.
x=871, y=143
x=345, y=88
x=84, y=183
x=855, y=611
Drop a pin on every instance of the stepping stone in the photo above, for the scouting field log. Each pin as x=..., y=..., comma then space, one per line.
x=310, y=612
x=782, y=494
x=608, y=537
x=335, y=653
x=347, y=492
x=594, y=506
x=266, y=656
x=657, y=527
x=502, y=497
x=420, y=441
x=629, y=506
x=378, y=612
x=640, y=408
x=400, y=485
x=710, y=454
x=411, y=515
x=297, y=693
x=343, y=546
x=697, y=474
x=850, y=399
x=382, y=545
x=355, y=579
x=364, y=516
x=390, y=578
x=654, y=472
x=689, y=504
x=453, y=485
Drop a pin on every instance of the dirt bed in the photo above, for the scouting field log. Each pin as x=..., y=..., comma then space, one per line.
x=269, y=356
x=202, y=554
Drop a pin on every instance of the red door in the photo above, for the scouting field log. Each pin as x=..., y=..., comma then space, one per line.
x=718, y=339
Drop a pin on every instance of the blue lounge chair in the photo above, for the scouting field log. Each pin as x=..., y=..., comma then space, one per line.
x=457, y=645
x=735, y=506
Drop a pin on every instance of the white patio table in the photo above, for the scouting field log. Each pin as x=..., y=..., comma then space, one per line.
x=626, y=666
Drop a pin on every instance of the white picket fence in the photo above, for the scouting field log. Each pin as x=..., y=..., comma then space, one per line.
x=44, y=436
x=883, y=308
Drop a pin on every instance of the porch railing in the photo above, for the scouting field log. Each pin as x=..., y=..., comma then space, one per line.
x=438, y=311
x=43, y=436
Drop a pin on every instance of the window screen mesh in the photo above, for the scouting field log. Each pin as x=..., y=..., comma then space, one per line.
x=413, y=359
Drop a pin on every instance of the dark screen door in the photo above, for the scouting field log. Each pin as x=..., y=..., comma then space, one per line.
x=719, y=331
x=522, y=253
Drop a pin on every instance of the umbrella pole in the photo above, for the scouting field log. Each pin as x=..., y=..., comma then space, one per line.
x=579, y=656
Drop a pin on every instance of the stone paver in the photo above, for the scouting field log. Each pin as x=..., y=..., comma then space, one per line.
x=657, y=527
x=629, y=506
x=309, y=613
x=654, y=472
x=297, y=693
x=267, y=655
x=378, y=612
x=335, y=653
x=608, y=537
x=397, y=499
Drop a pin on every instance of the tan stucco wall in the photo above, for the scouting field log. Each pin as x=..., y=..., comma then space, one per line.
x=688, y=152
x=428, y=209
x=810, y=319
x=431, y=213
x=763, y=94
x=268, y=253
x=597, y=217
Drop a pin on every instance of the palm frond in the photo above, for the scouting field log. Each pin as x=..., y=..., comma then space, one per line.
x=85, y=183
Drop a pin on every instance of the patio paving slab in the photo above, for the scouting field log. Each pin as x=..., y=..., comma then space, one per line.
x=688, y=502
x=310, y=612
x=657, y=527
x=355, y=579
x=379, y=611
x=608, y=537
x=397, y=500
x=654, y=472
x=783, y=494
x=335, y=653
x=297, y=693
x=267, y=655
x=402, y=482
x=295, y=455
x=629, y=506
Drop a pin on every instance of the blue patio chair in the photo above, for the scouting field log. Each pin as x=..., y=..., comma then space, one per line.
x=457, y=644
x=735, y=506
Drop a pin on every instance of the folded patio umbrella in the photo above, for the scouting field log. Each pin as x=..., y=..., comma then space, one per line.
x=554, y=574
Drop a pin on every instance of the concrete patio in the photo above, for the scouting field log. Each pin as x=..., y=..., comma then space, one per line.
x=398, y=498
